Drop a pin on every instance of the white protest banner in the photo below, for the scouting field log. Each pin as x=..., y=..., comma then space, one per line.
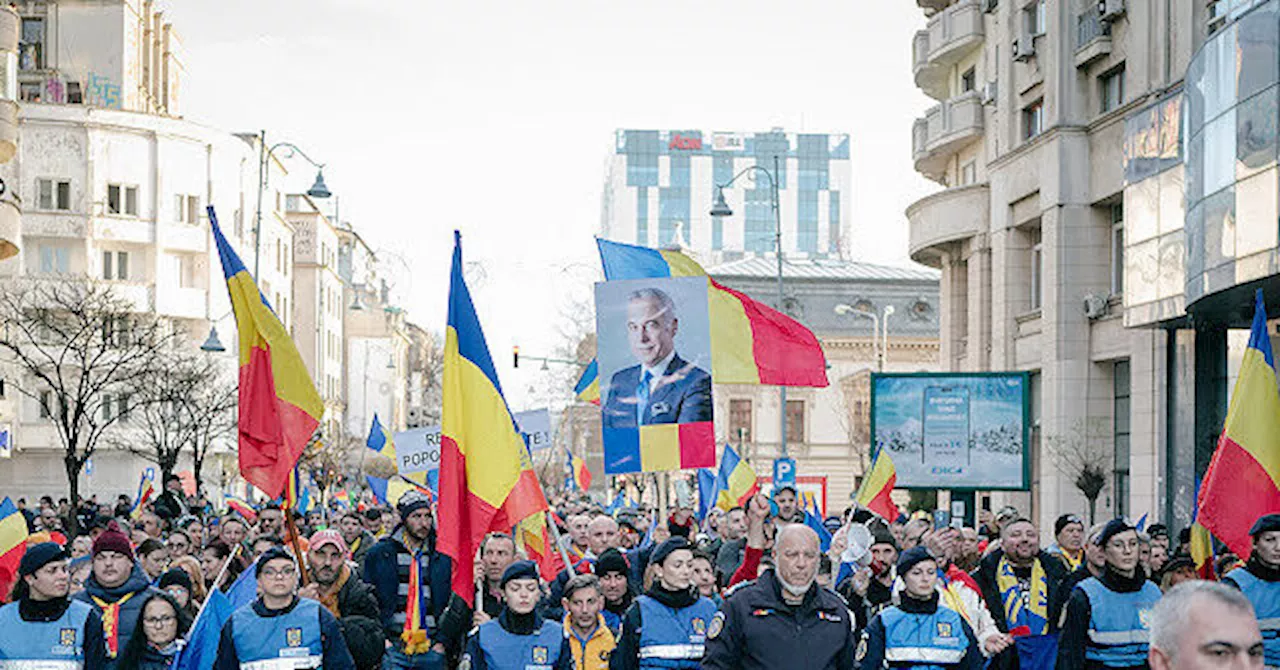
x=535, y=427
x=418, y=450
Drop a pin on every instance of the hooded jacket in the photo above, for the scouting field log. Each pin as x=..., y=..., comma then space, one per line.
x=137, y=587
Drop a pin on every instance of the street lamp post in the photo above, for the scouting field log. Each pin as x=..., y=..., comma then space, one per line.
x=876, y=353
x=884, y=337
x=317, y=190
x=719, y=210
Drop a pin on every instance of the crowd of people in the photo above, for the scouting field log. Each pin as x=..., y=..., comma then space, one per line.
x=752, y=587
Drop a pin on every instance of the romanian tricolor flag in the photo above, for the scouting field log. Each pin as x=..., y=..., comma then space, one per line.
x=577, y=476
x=487, y=482
x=588, y=387
x=380, y=439
x=532, y=534
x=13, y=544
x=735, y=482
x=241, y=506
x=388, y=491
x=1240, y=483
x=342, y=498
x=146, y=490
x=877, y=485
x=279, y=405
x=751, y=343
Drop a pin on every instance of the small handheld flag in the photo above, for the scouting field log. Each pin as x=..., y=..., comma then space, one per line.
x=380, y=439
x=877, y=485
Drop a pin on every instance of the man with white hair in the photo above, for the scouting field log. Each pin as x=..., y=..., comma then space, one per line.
x=1202, y=625
x=783, y=619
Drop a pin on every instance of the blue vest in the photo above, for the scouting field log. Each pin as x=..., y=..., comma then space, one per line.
x=1118, y=632
x=504, y=650
x=287, y=641
x=57, y=644
x=613, y=621
x=673, y=638
x=932, y=641
x=1265, y=597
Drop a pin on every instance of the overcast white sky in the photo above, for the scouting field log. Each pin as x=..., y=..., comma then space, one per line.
x=496, y=118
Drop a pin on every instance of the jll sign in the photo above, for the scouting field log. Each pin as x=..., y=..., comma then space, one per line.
x=686, y=143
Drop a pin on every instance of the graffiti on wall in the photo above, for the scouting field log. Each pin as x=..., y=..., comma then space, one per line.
x=102, y=92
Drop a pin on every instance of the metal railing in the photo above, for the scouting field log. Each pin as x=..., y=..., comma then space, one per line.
x=1090, y=26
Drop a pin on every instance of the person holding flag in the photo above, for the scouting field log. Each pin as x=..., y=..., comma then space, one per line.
x=42, y=625
x=1259, y=580
x=411, y=579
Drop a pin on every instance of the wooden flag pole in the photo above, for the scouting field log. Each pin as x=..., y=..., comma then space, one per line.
x=555, y=537
x=297, y=547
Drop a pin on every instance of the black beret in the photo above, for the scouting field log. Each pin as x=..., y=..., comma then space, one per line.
x=911, y=557
x=271, y=555
x=40, y=555
x=662, y=551
x=519, y=570
x=1266, y=522
x=1113, y=528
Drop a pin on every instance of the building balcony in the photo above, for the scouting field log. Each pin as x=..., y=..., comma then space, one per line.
x=932, y=5
x=123, y=229
x=182, y=303
x=943, y=131
x=136, y=297
x=952, y=34
x=182, y=237
x=1093, y=37
x=947, y=216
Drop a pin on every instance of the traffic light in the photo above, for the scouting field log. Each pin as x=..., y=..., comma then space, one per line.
x=515, y=356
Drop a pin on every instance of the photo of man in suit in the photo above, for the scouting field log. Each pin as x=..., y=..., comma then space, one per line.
x=663, y=387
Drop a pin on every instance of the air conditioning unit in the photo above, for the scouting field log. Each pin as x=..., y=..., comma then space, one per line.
x=989, y=93
x=1024, y=48
x=989, y=6
x=1095, y=306
x=1109, y=10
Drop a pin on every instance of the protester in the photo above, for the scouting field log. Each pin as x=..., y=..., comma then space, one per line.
x=1068, y=545
x=81, y=546
x=217, y=559
x=233, y=530
x=160, y=640
x=918, y=632
x=785, y=497
x=497, y=551
x=870, y=590
x=590, y=639
x=388, y=568
x=1020, y=584
x=1259, y=580
x=336, y=586
x=358, y=539
x=116, y=588
x=667, y=626
x=519, y=638
x=279, y=624
x=784, y=615
x=172, y=504
x=970, y=554
x=1179, y=569
x=612, y=570
x=704, y=576
x=1204, y=626
x=1095, y=560
x=34, y=627
x=191, y=566
x=373, y=522
x=153, y=556
x=1105, y=623
x=179, y=544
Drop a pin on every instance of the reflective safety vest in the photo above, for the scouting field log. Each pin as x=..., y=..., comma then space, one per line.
x=673, y=638
x=1265, y=597
x=1118, y=623
x=926, y=641
x=49, y=645
x=287, y=641
x=504, y=650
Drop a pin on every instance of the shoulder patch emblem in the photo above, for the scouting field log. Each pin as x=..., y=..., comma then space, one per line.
x=717, y=625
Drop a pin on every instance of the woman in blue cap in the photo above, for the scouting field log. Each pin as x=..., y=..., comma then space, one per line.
x=519, y=638
x=918, y=632
x=667, y=626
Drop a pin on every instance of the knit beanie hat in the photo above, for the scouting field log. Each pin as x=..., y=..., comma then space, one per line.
x=113, y=539
x=611, y=560
x=175, y=577
x=1064, y=521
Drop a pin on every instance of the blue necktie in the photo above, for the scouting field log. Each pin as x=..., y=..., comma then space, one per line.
x=642, y=396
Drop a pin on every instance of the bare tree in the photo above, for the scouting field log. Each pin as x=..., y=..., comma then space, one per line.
x=187, y=407
x=85, y=355
x=1081, y=452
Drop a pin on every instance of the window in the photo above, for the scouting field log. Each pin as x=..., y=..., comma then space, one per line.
x=1117, y=249
x=186, y=208
x=1111, y=89
x=188, y=275
x=55, y=259
x=740, y=420
x=795, y=421
x=1033, y=119
x=31, y=44
x=279, y=255
x=115, y=265
x=1120, y=383
x=1037, y=268
x=75, y=95
x=122, y=199
x=968, y=80
x=53, y=194
x=30, y=91
x=115, y=406
x=1034, y=16
x=968, y=173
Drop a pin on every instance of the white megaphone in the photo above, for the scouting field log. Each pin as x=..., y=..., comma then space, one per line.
x=857, y=549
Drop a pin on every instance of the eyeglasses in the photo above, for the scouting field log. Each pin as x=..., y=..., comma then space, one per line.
x=159, y=620
x=283, y=573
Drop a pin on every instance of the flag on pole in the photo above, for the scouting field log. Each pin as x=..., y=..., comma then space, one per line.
x=708, y=492
x=751, y=343
x=577, y=476
x=380, y=439
x=145, y=491
x=241, y=506
x=735, y=481
x=813, y=519
x=13, y=543
x=202, y=642
x=877, y=485
x=1240, y=482
x=280, y=408
x=588, y=387
x=533, y=535
x=1201, y=549
x=487, y=480
x=342, y=498
x=388, y=491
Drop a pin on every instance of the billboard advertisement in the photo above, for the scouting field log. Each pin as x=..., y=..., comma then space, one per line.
x=954, y=430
